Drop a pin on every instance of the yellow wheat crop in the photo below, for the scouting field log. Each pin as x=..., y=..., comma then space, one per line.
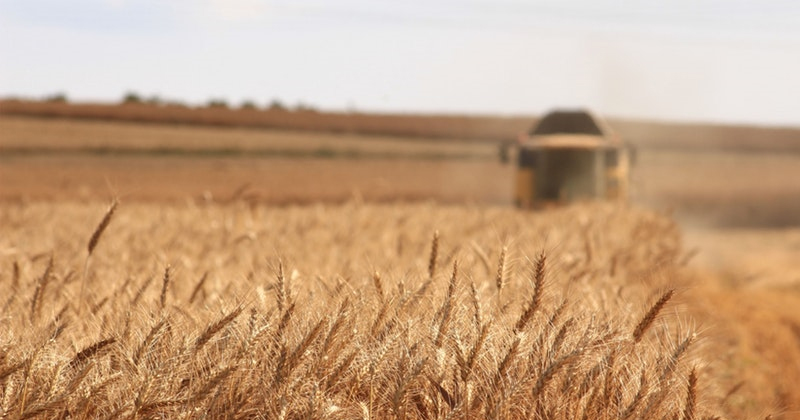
x=408, y=311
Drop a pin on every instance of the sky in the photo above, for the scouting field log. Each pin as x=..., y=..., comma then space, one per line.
x=723, y=61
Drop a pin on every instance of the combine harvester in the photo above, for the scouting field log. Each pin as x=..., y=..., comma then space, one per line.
x=570, y=155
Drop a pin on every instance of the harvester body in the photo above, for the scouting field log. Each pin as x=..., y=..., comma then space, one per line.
x=570, y=155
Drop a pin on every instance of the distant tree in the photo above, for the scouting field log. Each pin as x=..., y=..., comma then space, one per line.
x=217, y=103
x=131, y=98
x=175, y=104
x=59, y=97
x=277, y=105
x=248, y=105
x=154, y=100
x=302, y=107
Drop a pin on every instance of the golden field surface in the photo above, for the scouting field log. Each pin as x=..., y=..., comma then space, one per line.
x=286, y=274
x=376, y=311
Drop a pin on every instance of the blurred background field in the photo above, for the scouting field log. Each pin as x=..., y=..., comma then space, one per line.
x=709, y=175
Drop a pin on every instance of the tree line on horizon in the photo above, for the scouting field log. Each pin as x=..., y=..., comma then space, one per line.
x=135, y=98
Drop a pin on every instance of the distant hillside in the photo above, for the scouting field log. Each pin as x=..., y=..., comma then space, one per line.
x=427, y=126
x=451, y=127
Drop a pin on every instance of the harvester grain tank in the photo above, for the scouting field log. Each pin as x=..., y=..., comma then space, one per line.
x=570, y=155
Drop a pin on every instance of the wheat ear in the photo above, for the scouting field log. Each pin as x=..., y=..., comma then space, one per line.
x=536, y=298
x=434, y=254
x=89, y=352
x=98, y=232
x=198, y=287
x=93, y=240
x=691, y=397
x=447, y=307
x=164, y=287
x=36, y=302
x=215, y=327
x=499, y=280
x=376, y=281
x=650, y=316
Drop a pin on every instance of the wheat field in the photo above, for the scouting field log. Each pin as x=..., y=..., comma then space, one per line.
x=411, y=311
x=211, y=291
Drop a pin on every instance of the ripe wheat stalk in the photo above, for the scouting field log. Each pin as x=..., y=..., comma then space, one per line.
x=352, y=329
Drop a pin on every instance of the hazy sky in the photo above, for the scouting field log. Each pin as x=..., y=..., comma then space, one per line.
x=698, y=60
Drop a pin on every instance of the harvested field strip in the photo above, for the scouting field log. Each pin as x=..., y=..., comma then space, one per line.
x=32, y=136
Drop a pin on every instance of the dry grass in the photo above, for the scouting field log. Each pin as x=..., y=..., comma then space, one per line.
x=347, y=312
